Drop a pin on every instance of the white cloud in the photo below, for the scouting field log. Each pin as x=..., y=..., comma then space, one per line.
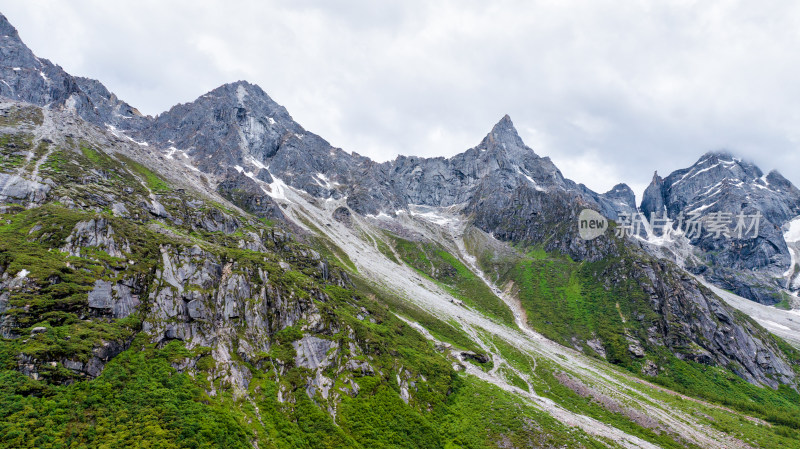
x=626, y=88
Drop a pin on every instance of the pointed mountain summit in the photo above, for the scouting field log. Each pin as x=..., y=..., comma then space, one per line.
x=503, y=150
x=7, y=31
x=653, y=197
x=13, y=51
x=28, y=78
x=718, y=180
x=623, y=198
x=227, y=125
x=238, y=131
x=38, y=81
x=504, y=135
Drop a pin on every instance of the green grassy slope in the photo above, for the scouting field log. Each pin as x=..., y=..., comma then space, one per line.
x=569, y=302
x=437, y=264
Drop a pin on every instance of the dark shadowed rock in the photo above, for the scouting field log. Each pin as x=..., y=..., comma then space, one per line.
x=653, y=198
x=342, y=215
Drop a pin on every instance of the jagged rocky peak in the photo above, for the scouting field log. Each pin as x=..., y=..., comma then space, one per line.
x=6, y=29
x=653, y=197
x=234, y=124
x=622, y=190
x=236, y=131
x=622, y=195
x=501, y=162
x=26, y=77
x=776, y=181
x=40, y=82
x=504, y=136
x=234, y=103
x=717, y=189
x=13, y=49
x=713, y=167
x=96, y=90
x=504, y=150
x=250, y=97
x=108, y=109
x=720, y=181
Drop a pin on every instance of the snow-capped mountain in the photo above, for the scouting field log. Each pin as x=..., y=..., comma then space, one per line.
x=755, y=260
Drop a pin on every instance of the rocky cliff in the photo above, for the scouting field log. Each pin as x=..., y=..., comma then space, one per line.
x=755, y=263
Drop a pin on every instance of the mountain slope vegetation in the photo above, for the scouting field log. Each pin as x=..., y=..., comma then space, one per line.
x=218, y=276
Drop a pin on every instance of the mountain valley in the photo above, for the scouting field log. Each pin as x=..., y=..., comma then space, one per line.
x=218, y=276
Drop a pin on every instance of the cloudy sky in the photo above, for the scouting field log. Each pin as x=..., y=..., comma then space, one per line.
x=610, y=90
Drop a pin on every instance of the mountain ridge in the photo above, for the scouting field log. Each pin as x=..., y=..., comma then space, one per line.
x=103, y=99
x=219, y=275
x=239, y=125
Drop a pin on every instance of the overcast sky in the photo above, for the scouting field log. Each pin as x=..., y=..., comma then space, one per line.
x=610, y=90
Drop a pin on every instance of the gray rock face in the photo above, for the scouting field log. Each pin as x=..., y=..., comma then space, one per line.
x=15, y=189
x=717, y=183
x=195, y=294
x=116, y=300
x=196, y=310
x=224, y=127
x=361, y=368
x=108, y=108
x=202, y=300
x=621, y=199
x=100, y=296
x=248, y=194
x=95, y=233
x=653, y=200
x=500, y=162
x=101, y=355
x=314, y=352
x=692, y=317
x=34, y=80
x=342, y=215
x=120, y=210
x=125, y=301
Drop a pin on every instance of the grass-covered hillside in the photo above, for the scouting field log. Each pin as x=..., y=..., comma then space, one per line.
x=604, y=308
x=139, y=313
x=140, y=308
